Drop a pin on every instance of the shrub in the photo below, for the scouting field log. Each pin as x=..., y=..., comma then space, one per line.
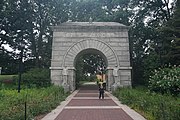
x=166, y=80
x=151, y=105
x=36, y=77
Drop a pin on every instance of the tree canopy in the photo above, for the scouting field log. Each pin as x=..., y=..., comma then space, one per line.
x=25, y=24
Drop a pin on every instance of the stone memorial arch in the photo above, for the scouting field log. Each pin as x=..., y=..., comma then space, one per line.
x=72, y=39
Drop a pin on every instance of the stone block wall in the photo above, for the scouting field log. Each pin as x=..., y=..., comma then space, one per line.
x=110, y=39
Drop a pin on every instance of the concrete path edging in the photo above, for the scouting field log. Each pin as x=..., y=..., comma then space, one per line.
x=133, y=114
x=54, y=113
x=63, y=106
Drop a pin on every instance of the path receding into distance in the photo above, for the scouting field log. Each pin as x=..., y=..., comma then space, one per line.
x=84, y=104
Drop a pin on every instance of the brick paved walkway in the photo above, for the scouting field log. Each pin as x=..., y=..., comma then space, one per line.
x=85, y=105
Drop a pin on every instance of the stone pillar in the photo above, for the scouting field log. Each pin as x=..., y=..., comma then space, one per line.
x=0, y=70
x=71, y=79
x=116, y=77
x=56, y=75
x=110, y=80
x=65, y=83
x=125, y=73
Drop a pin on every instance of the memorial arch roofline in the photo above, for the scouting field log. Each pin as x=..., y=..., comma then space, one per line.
x=86, y=26
x=84, y=44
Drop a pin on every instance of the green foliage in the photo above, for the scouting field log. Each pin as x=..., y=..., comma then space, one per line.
x=20, y=20
x=37, y=77
x=38, y=101
x=145, y=35
x=171, y=35
x=151, y=105
x=150, y=62
x=7, y=62
x=146, y=18
x=166, y=80
x=89, y=64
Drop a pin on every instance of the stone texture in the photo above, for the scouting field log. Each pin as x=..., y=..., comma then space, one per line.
x=108, y=39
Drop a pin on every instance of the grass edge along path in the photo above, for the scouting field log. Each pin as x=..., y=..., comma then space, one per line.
x=39, y=101
x=152, y=106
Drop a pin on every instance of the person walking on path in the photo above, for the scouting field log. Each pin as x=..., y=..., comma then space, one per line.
x=101, y=90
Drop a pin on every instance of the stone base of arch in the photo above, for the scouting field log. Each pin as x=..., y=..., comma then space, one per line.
x=123, y=79
x=68, y=82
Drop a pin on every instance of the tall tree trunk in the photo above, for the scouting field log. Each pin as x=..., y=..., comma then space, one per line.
x=168, y=9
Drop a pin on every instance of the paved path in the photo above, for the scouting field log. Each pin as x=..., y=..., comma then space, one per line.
x=84, y=104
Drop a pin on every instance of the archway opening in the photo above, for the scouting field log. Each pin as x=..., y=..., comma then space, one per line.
x=90, y=65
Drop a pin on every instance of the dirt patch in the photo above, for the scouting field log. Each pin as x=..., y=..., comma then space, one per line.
x=39, y=117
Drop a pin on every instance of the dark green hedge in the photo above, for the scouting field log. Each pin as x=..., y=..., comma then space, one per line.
x=36, y=77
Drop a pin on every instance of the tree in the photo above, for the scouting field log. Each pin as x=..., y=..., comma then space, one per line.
x=90, y=64
x=7, y=62
x=26, y=23
x=149, y=16
x=46, y=13
x=171, y=32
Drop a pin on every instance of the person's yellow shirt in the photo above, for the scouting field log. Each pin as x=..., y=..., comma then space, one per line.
x=101, y=84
